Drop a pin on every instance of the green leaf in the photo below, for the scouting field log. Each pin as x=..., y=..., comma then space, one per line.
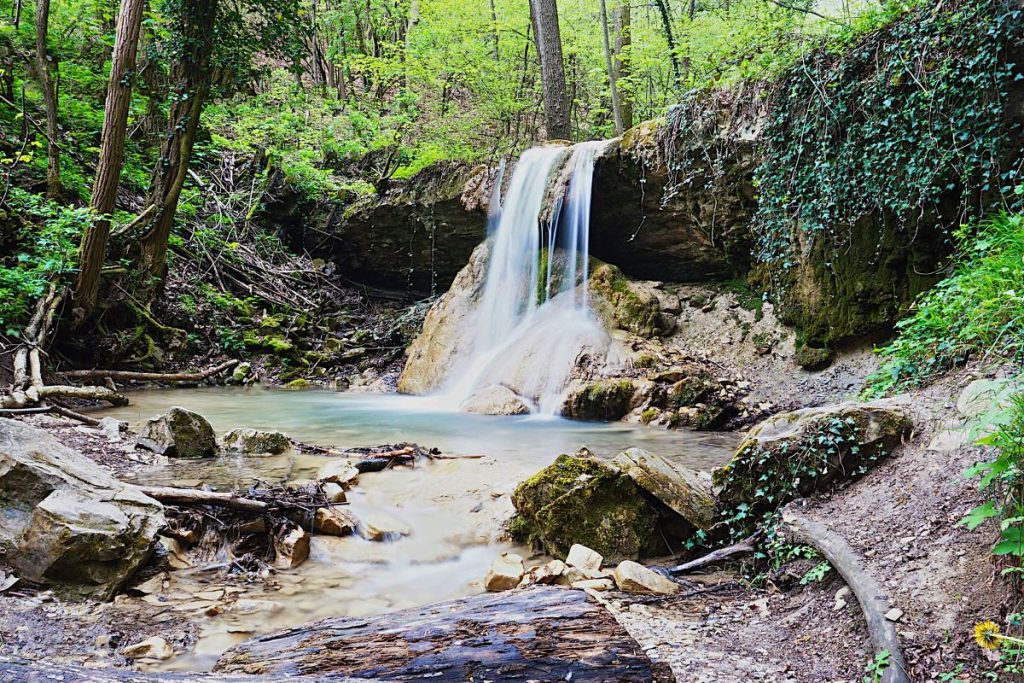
x=979, y=515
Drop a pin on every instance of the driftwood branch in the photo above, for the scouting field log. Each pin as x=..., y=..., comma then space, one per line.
x=874, y=602
x=744, y=547
x=130, y=376
x=176, y=496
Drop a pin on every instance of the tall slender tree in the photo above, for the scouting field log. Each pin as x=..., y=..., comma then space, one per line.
x=552, y=66
x=46, y=68
x=666, y=23
x=612, y=75
x=623, y=39
x=92, y=253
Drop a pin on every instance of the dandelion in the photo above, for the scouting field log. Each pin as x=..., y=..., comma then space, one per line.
x=986, y=634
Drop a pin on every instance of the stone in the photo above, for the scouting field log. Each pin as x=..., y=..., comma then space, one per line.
x=604, y=400
x=254, y=441
x=593, y=584
x=495, y=400
x=587, y=501
x=760, y=473
x=65, y=522
x=111, y=429
x=625, y=304
x=984, y=395
x=339, y=472
x=895, y=614
x=291, y=548
x=334, y=522
x=583, y=558
x=379, y=526
x=812, y=359
x=334, y=493
x=179, y=433
x=150, y=648
x=546, y=574
x=687, y=492
x=241, y=372
x=505, y=573
x=633, y=577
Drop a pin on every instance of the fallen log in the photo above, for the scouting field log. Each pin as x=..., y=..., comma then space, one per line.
x=874, y=602
x=23, y=399
x=176, y=496
x=542, y=634
x=744, y=547
x=18, y=670
x=130, y=376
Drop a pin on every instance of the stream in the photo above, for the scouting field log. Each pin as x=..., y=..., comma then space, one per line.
x=453, y=510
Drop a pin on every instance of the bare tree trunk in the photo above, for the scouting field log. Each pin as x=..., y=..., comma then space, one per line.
x=612, y=80
x=46, y=65
x=666, y=21
x=93, y=250
x=623, y=39
x=192, y=78
x=552, y=66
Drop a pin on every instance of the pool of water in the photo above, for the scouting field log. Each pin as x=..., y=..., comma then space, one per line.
x=453, y=509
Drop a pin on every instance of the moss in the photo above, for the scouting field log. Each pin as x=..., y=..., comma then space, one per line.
x=813, y=358
x=602, y=400
x=628, y=308
x=645, y=361
x=298, y=385
x=649, y=415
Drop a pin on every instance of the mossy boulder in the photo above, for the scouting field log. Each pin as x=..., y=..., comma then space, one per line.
x=814, y=358
x=179, y=433
x=624, y=304
x=255, y=441
x=605, y=400
x=796, y=454
x=580, y=499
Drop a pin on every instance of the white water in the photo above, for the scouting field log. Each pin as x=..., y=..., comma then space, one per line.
x=524, y=336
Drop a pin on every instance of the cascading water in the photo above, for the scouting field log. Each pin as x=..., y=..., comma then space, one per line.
x=533, y=322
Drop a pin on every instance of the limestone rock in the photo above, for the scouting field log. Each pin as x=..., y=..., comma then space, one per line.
x=593, y=584
x=380, y=526
x=335, y=493
x=67, y=523
x=582, y=557
x=607, y=399
x=685, y=491
x=505, y=573
x=545, y=574
x=254, y=441
x=587, y=501
x=636, y=578
x=340, y=472
x=150, y=648
x=624, y=304
x=291, y=547
x=495, y=400
x=334, y=522
x=179, y=433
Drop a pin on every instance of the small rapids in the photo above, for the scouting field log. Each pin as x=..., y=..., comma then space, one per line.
x=533, y=324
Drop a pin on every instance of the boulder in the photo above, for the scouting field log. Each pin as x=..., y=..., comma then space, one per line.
x=813, y=358
x=551, y=572
x=505, y=573
x=802, y=452
x=340, y=472
x=495, y=400
x=255, y=441
x=633, y=577
x=625, y=304
x=687, y=492
x=375, y=525
x=335, y=493
x=580, y=499
x=291, y=547
x=334, y=522
x=582, y=557
x=179, y=433
x=67, y=523
x=241, y=372
x=607, y=400
x=150, y=648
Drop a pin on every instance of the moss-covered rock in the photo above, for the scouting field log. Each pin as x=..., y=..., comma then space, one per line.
x=799, y=453
x=813, y=358
x=624, y=304
x=605, y=400
x=255, y=441
x=179, y=433
x=584, y=500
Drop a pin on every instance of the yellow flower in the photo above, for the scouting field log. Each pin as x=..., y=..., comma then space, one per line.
x=986, y=634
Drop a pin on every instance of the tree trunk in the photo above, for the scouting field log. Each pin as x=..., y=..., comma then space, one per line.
x=552, y=66
x=93, y=250
x=191, y=77
x=666, y=22
x=623, y=39
x=612, y=80
x=46, y=65
x=494, y=32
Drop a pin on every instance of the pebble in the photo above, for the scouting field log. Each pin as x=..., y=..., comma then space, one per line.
x=895, y=614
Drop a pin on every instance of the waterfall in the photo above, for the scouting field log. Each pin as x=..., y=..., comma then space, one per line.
x=533, y=322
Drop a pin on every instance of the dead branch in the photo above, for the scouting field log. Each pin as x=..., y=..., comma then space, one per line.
x=177, y=496
x=744, y=547
x=129, y=376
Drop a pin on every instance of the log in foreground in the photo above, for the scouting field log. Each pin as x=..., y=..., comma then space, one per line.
x=542, y=634
x=873, y=599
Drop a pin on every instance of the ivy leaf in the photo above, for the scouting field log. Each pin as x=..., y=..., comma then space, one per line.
x=1012, y=543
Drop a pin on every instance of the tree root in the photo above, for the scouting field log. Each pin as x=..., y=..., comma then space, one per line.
x=874, y=602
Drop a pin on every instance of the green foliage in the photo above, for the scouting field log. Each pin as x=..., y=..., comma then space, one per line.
x=877, y=667
x=907, y=122
x=49, y=234
x=977, y=311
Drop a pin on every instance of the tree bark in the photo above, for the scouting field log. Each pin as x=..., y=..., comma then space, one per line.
x=93, y=250
x=623, y=39
x=191, y=76
x=552, y=66
x=612, y=80
x=46, y=66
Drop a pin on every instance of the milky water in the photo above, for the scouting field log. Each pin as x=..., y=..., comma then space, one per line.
x=453, y=509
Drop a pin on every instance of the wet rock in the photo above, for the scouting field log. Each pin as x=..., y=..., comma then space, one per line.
x=340, y=472
x=495, y=400
x=335, y=493
x=795, y=454
x=582, y=557
x=241, y=372
x=636, y=578
x=67, y=523
x=505, y=573
x=150, y=648
x=380, y=526
x=625, y=304
x=334, y=522
x=254, y=441
x=291, y=547
x=685, y=491
x=179, y=433
x=600, y=400
x=584, y=500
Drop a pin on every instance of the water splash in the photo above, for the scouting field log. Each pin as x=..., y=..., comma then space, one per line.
x=532, y=329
